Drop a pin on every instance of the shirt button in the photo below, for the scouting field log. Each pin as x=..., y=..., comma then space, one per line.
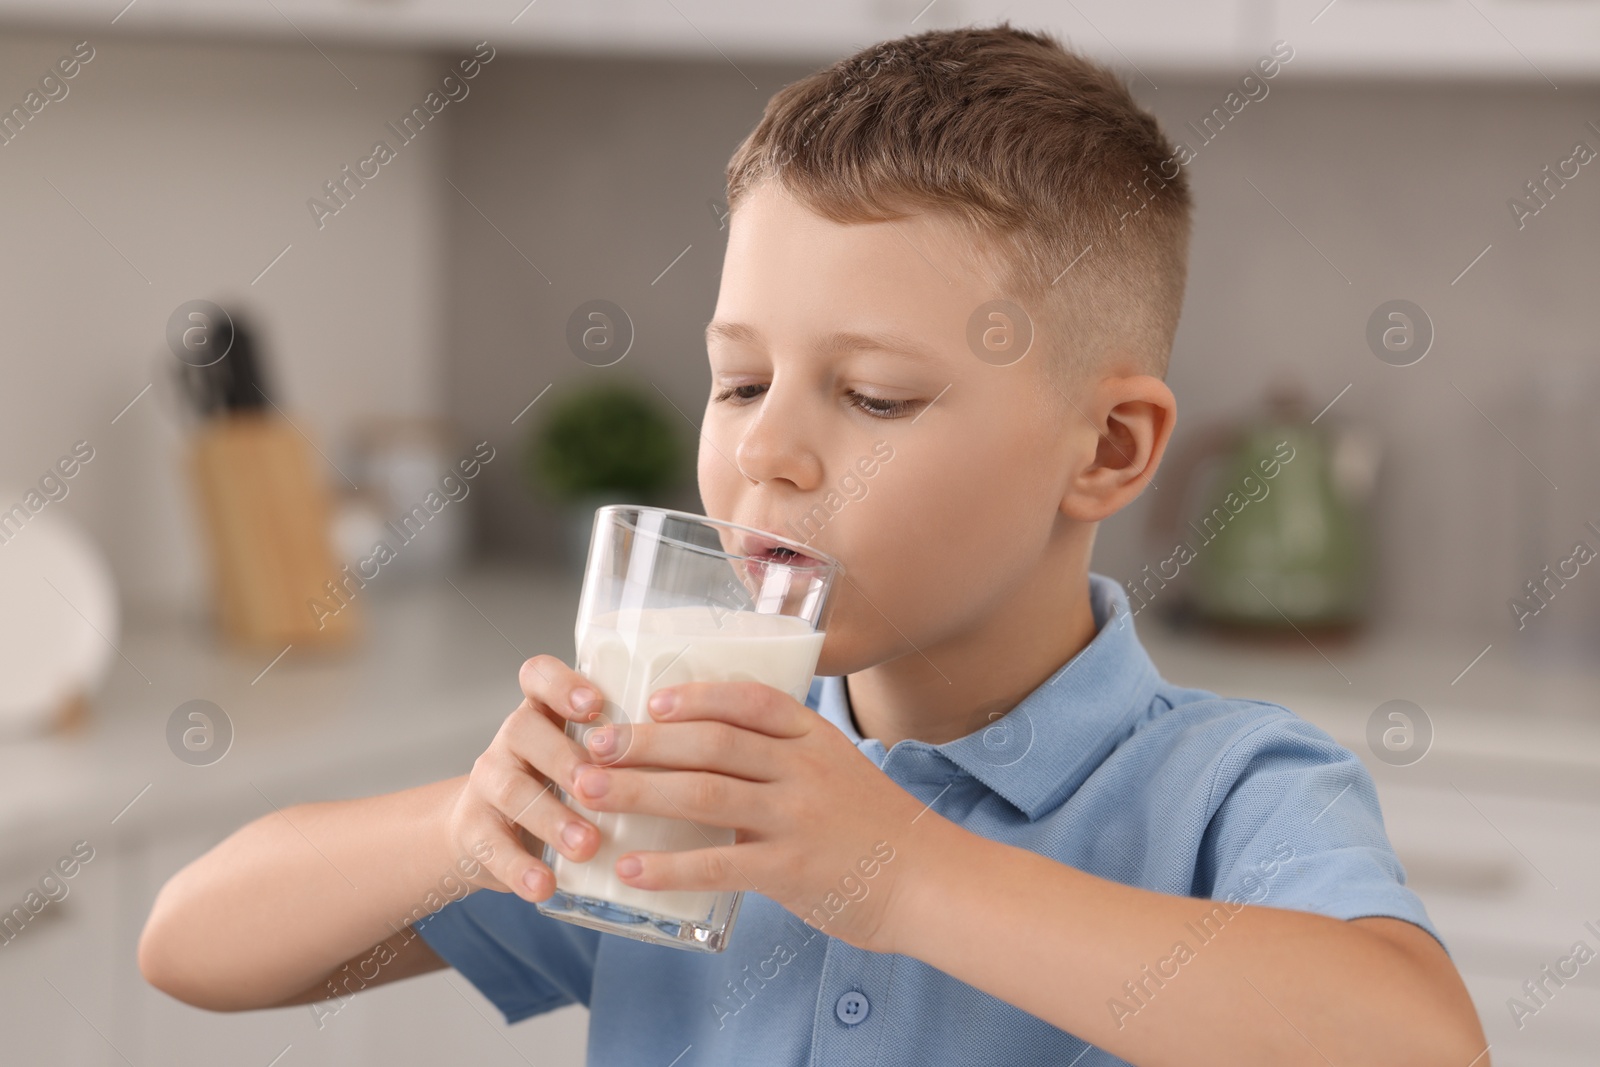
x=852, y=1007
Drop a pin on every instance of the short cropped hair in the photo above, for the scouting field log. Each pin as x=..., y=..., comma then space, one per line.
x=1067, y=189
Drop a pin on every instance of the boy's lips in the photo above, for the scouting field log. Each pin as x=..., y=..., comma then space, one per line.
x=771, y=549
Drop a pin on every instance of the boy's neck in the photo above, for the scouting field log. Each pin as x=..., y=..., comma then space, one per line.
x=945, y=691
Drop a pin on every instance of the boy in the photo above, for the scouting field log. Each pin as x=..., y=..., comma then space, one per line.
x=993, y=833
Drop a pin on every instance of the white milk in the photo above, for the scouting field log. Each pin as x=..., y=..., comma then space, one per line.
x=655, y=648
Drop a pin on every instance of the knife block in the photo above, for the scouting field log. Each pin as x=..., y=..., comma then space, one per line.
x=268, y=520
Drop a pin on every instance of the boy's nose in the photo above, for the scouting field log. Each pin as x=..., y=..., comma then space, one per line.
x=776, y=446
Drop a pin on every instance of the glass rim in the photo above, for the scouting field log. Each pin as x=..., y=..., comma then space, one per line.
x=798, y=546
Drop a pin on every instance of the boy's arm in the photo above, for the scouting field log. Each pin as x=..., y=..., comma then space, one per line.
x=407, y=956
x=284, y=904
x=276, y=908
x=1271, y=986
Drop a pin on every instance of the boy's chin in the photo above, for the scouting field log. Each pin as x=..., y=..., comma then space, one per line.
x=838, y=656
x=843, y=652
x=828, y=661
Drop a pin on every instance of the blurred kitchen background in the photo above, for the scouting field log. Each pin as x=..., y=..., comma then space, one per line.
x=1363, y=282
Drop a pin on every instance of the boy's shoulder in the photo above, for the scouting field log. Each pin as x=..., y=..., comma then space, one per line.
x=1234, y=737
x=1192, y=715
x=1245, y=800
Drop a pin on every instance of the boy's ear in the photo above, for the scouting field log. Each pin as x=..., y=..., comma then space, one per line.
x=1131, y=417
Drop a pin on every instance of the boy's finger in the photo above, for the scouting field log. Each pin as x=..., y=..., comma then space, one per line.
x=551, y=821
x=542, y=745
x=700, y=796
x=706, y=745
x=514, y=866
x=692, y=869
x=531, y=803
x=551, y=683
x=751, y=705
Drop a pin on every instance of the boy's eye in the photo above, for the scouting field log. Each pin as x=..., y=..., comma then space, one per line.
x=877, y=407
x=736, y=391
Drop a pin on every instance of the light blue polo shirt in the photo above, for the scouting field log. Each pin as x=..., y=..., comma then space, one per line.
x=1105, y=767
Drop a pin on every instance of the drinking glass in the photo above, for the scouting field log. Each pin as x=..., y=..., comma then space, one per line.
x=671, y=597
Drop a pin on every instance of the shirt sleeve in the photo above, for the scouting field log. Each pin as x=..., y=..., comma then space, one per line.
x=1296, y=824
x=524, y=961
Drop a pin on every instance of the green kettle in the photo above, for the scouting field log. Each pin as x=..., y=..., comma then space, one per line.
x=1278, y=536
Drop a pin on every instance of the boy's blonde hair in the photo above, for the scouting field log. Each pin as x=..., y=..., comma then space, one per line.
x=1040, y=155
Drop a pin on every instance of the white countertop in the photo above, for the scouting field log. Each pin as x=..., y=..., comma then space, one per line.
x=416, y=700
x=437, y=671
x=1510, y=722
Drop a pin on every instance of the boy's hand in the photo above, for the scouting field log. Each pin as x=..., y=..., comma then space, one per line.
x=819, y=826
x=510, y=788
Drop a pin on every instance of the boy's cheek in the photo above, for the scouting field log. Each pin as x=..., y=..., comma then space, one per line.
x=712, y=471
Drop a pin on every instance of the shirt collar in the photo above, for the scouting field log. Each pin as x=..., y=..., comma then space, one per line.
x=1038, y=753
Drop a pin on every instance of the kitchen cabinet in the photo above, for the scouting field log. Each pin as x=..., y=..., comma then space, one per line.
x=421, y=699
x=1548, y=42
x=1525, y=39
x=1511, y=881
x=72, y=995
x=58, y=997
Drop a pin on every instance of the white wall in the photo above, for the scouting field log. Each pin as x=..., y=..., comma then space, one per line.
x=601, y=170
x=1400, y=185
x=195, y=161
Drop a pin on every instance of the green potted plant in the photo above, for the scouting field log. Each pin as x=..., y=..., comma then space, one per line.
x=606, y=443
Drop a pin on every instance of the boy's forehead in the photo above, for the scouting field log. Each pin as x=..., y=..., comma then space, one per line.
x=888, y=281
x=771, y=223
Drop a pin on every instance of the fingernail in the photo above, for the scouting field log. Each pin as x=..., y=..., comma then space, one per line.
x=663, y=701
x=534, y=881
x=574, y=835
x=629, y=866
x=600, y=740
x=582, y=698
x=592, y=782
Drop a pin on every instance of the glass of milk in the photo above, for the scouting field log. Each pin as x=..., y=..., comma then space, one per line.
x=671, y=597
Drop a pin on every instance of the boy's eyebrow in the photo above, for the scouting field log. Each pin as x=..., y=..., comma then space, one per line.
x=837, y=341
